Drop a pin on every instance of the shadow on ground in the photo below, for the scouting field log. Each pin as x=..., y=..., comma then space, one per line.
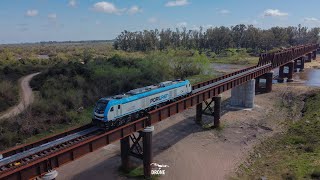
x=161, y=141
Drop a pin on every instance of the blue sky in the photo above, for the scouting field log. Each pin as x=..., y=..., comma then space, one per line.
x=60, y=20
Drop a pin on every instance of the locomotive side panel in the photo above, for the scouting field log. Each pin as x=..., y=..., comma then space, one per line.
x=120, y=107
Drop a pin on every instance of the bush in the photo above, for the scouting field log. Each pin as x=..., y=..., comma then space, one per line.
x=8, y=95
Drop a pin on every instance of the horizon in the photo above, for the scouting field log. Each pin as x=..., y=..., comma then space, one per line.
x=75, y=20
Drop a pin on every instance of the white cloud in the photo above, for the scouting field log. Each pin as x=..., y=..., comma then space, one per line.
x=250, y=22
x=98, y=22
x=177, y=3
x=224, y=11
x=311, y=20
x=134, y=10
x=52, y=16
x=32, y=12
x=152, y=20
x=274, y=13
x=182, y=24
x=106, y=7
x=72, y=3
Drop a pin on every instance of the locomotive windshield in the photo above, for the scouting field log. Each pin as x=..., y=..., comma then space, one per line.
x=101, y=106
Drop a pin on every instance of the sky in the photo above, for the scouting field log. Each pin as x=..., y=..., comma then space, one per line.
x=64, y=20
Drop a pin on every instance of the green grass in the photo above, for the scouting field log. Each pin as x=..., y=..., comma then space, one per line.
x=80, y=119
x=292, y=155
x=235, y=56
x=236, y=60
x=9, y=94
x=201, y=77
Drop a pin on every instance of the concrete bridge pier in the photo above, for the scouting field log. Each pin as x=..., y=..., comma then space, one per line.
x=243, y=95
x=314, y=55
x=215, y=112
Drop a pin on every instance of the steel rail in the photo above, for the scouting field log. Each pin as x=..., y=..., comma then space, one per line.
x=229, y=78
x=24, y=147
x=21, y=155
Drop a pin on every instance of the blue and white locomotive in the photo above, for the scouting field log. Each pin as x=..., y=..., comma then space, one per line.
x=119, y=109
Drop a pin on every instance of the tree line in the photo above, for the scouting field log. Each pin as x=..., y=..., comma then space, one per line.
x=216, y=39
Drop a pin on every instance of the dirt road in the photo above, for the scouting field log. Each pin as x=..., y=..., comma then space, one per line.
x=26, y=97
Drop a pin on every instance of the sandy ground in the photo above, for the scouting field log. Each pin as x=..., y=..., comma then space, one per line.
x=26, y=97
x=193, y=152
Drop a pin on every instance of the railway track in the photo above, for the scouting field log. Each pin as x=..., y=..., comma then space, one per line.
x=21, y=158
x=52, y=152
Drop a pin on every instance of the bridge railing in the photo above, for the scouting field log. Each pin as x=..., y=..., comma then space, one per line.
x=284, y=56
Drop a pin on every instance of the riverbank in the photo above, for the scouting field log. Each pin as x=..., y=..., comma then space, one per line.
x=293, y=154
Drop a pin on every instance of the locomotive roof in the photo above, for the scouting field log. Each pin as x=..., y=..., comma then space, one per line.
x=152, y=87
x=144, y=89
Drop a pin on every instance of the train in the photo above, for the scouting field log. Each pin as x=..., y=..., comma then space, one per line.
x=114, y=111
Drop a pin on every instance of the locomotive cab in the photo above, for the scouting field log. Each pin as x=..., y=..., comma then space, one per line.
x=99, y=109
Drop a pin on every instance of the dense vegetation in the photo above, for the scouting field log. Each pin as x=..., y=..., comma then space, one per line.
x=68, y=90
x=294, y=154
x=10, y=72
x=217, y=39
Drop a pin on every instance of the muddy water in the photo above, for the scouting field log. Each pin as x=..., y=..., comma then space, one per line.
x=310, y=77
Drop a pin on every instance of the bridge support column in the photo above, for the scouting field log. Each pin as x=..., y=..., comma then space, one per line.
x=299, y=64
x=257, y=84
x=199, y=113
x=303, y=60
x=147, y=151
x=281, y=74
x=295, y=69
x=243, y=95
x=268, y=83
x=314, y=55
x=269, y=78
x=217, y=111
x=290, y=73
x=309, y=57
x=142, y=152
x=125, y=151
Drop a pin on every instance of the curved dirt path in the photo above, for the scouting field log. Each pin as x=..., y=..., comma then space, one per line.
x=26, y=97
